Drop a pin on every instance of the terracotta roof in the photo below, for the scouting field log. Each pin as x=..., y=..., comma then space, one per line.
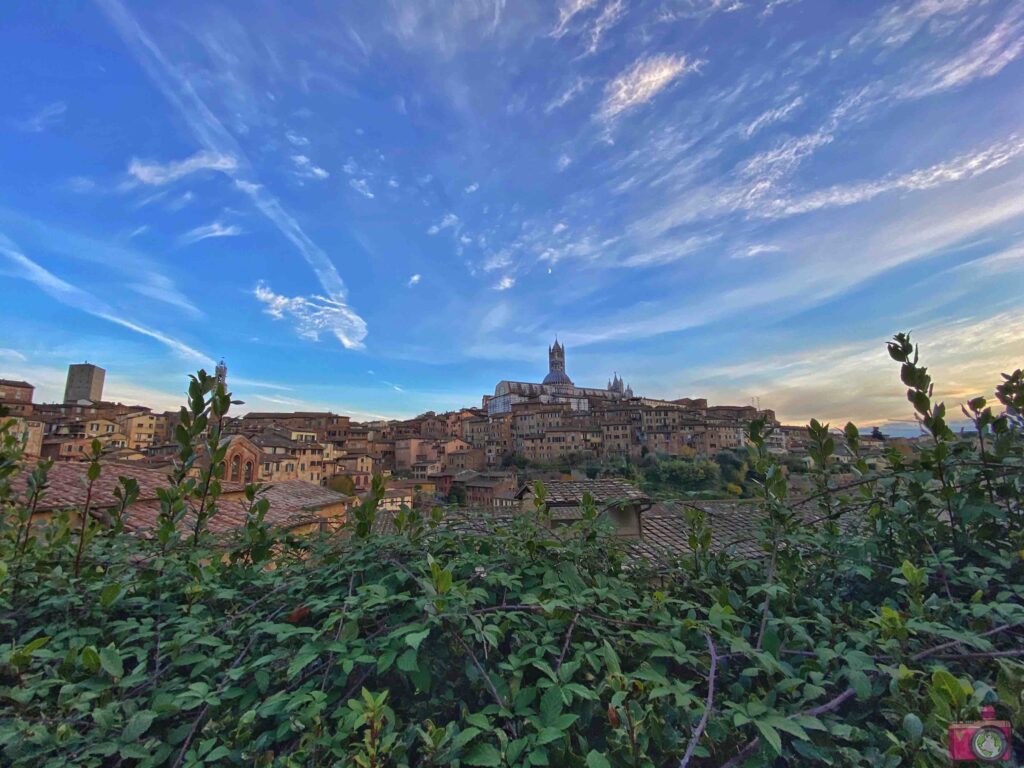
x=68, y=481
x=735, y=526
x=291, y=502
x=563, y=493
x=13, y=383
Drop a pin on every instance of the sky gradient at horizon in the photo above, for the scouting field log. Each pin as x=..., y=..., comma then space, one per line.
x=386, y=209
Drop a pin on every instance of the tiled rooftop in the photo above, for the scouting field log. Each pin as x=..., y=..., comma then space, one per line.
x=562, y=493
x=291, y=502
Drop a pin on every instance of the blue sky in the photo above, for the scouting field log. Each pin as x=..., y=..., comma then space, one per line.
x=388, y=208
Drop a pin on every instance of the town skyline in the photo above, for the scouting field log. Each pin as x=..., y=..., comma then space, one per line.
x=386, y=213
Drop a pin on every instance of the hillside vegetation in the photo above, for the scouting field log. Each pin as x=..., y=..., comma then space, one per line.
x=854, y=641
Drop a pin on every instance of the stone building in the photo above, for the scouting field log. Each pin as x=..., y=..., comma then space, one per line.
x=84, y=383
x=16, y=397
x=556, y=387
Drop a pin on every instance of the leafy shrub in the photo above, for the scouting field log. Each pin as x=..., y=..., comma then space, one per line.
x=853, y=641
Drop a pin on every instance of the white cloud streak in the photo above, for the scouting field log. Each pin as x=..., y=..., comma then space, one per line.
x=314, y=315
x=215, y=229
x=76, y=298
x=611, y=14
x=216, y=139
x=570, y=93
x=48, y=117
x=361, y=186
x=772, y=116
x=158, y=174
x=984, y=58
x=307, y=169
x=644, y=80
x=567, y=11
x=959, y=168
x=448, y=221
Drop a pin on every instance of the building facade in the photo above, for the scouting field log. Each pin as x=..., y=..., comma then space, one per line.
x=84, y=382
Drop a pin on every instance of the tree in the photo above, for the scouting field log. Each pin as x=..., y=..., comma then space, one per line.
x=342, y=484
x=457, y=495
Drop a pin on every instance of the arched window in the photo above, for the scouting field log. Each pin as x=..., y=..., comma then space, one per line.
x=236, y=465
x=248, y=472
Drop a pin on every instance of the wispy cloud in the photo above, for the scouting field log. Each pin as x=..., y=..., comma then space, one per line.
x=470, y=189
x=860, y=382
x=505, y=283
x=314, y=315
x=153, y=173
x=362, y=187
x=48, y=117
x=414, y=280
x=307, y=169
x=140, y=273
x=75, y=297
x=898, y=23
x=644, y=80
x=578, y=86
x=290, y=402
x=564, y=161
x=757, y=249
x=12, y=355
x=983, y=58
x=214, y=229
x=962, y=167
x=610, y=15
x=567, y=10
x=296, y=140
x=219, y=142
x=772, y=116
x=80, y=184
x=448, y=221
x=666, y=253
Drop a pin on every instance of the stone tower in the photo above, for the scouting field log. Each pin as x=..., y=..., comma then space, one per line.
x=222, y=374
x=556, y=366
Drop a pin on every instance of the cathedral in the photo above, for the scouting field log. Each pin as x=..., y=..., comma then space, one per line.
x=557, y=387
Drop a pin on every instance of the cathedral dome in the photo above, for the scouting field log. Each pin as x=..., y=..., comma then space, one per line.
x=558, y=377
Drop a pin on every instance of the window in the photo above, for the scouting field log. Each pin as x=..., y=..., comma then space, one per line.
x=236, y=471
x=248, y=472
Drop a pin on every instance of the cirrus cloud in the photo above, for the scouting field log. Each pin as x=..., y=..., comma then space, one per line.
x=314, y=315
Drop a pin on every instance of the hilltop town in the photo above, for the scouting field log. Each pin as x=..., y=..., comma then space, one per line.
x=479, y=457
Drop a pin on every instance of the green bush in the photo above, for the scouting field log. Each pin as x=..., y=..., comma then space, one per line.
x=853, y=641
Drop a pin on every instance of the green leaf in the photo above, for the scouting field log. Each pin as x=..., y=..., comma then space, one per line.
x=787, y=725
x=413, y=639
x=110, y=660
x=217, y=754
x=482, y=753
x=548, y=735
x=770, y=735
x=464, y=737
x=301, y=661
x=407, y=661
x=597, y=759
x=551, y=705
x=860, y=683
x=110, y=594
x=90, y=659
x=913, y=727
x=138, y=724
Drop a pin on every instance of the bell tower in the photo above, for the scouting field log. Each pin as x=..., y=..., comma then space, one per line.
x=222, y=374
x=556, y=358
